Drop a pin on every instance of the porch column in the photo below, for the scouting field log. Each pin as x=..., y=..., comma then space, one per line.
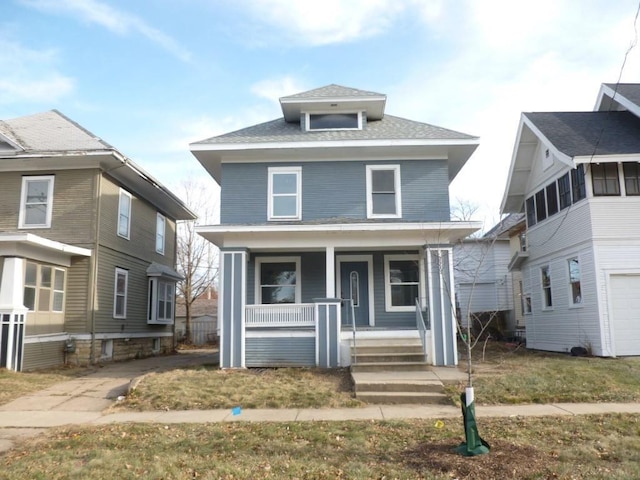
x=442, y=300
x=331, y=272
x=231, y=308
x=327, y=332
x=12, y=314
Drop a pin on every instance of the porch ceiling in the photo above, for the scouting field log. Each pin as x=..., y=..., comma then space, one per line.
x=346, y=236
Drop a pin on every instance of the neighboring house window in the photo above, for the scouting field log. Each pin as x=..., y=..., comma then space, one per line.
x=526, y=303
x=334, y=121
x=605, y=179
x=36, y=202
x=161, y=301
x=577, y=183
x=120, y=293
x=124, y=214
x=43, y=288
x=541, y=207
x=631, y=178
x=285, y=193
x=574, y=281
x=531, y=211
x=160, y=227
x=552, y=199
x=58, y=290
x=564, y=191
x=547, y=298
x=384, y=196
x=277, y=280
x=402, y=282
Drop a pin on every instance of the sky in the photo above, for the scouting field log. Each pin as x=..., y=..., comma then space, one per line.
x=151, y=76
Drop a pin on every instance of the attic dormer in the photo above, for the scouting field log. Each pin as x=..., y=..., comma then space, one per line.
x=333, y=108
x=8, y=146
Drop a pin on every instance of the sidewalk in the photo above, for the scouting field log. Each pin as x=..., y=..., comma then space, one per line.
x=83, y=401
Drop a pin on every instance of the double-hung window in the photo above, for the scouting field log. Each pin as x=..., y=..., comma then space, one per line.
x=285, y=193
x=384, y=196
x=36, y=202
x=564, y=191
x=277, y=280
x=124, y=214
x=120, y=293
x=547, y=297
x=631, y=178
x=160, y=228
x=402, y=282
x=604, y=177
x=575, y=290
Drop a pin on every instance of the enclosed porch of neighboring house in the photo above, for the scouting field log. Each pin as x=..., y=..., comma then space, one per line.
x=304, y=296
x=33, y=290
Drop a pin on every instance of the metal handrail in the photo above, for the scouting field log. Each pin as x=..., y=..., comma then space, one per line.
x=422, y=327
x=353, y=329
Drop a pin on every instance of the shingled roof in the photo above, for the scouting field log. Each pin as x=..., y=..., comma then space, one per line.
x=389, y=128
x=589, y=133
x=333, y=91
x=50, y=131
x=630, y=91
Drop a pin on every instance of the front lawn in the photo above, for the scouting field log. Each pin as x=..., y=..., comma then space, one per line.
x=17, y=384
x=583, y=447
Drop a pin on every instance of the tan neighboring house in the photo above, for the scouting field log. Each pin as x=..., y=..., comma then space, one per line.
x=87, y=248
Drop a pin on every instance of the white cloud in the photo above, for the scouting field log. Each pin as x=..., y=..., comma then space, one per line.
x=325, y=22
x=116, y=21
x=30, y=75
x=273, y=88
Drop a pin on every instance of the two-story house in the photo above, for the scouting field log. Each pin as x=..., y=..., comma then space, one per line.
x=336, y=211
x=577, y=177
x=87, y=248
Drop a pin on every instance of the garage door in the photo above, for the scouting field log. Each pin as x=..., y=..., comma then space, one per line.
x=625, y=301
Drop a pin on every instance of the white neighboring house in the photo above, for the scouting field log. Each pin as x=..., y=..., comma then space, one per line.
x=485, y=288
x=577, y=177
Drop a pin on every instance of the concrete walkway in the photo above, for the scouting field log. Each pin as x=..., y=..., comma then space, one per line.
x=83, y=400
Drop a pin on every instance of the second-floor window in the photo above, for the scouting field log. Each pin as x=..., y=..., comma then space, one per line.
x=124, y=214
x=384, y=198
x=160, y=228
x=604, y=177
x=285, y=193
x=36, y=202
x=631, y=178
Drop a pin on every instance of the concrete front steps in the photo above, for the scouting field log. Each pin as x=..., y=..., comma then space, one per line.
x=394, y=371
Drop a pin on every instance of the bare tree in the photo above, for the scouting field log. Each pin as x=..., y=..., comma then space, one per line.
x=197, y=259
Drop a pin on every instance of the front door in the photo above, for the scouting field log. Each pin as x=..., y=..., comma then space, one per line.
x=354, y=285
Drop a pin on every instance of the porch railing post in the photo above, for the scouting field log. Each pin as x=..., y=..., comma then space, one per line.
x=327, y=312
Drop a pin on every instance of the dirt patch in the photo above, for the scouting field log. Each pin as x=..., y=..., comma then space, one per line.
x=505, y=461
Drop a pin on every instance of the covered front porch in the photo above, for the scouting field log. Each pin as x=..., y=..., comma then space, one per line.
x=307, y=299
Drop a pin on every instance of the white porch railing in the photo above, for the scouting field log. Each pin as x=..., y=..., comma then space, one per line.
x=281, y=315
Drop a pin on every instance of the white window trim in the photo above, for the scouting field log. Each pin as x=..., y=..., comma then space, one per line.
x=260, y=260
x=281, y=170
x=23, y=199
x=126, y=194
x=546, y=307
x=387, y=284
x=153, y=298
x=573, y=304
x=160, y=217
x=397, y=187
x=115, y=292
x=307, y=121
x=54, y=291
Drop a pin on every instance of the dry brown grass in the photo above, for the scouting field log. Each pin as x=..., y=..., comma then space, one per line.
x=209, y=387
x=17, y=384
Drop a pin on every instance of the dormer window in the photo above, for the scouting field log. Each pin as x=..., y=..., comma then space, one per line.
x=334, y=121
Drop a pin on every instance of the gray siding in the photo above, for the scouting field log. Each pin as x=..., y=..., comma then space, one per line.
x=77, y=317
x=336, y=189
x=142, y=235
x=74, y=210
x=42, y=355
x=137, y=295
x=280, y=352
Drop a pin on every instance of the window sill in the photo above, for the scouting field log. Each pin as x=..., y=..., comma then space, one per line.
x=160, y=322
x=400, y=309
x=576, y=306
x=29, y=227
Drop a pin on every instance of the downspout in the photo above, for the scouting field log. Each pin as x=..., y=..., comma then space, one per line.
x=94, y=268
